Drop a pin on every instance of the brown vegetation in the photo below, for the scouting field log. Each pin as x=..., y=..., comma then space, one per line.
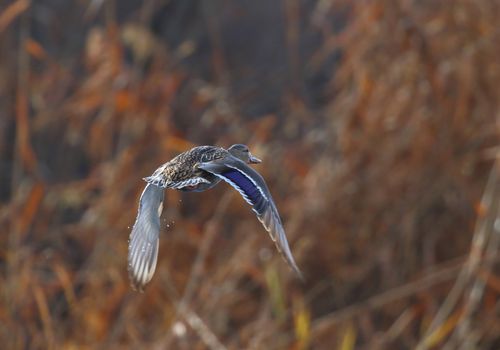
x=377, y=123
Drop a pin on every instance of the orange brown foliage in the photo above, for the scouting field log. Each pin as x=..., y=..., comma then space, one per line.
x=377, y=123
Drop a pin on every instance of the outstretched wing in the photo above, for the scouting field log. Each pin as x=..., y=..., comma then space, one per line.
x=143, y=243
x=254, y=190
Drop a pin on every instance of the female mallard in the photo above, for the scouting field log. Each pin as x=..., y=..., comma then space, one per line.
x=200, y=169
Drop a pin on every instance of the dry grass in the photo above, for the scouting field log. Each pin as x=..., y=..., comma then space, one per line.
x=378, y=126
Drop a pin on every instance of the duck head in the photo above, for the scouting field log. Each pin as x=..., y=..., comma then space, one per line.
x=242, y=152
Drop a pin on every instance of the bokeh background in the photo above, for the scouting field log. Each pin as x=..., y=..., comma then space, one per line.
x=377, y=122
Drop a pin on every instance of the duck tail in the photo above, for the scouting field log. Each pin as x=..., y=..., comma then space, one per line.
x=156, y=180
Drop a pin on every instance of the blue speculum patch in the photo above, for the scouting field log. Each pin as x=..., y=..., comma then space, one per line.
x=240, y=180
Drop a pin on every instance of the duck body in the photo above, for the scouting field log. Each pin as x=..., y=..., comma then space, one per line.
x=183, y=172
x=196, y=170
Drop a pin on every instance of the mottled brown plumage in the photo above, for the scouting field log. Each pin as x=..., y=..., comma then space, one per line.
x=183, y=173
x=197, y=170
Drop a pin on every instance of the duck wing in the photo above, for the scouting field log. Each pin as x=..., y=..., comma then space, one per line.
x=250, y=184
x=143, y=243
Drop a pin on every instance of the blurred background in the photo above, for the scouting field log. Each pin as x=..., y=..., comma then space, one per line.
x=377, y=122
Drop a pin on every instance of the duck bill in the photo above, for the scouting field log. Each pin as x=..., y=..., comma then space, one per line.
x=253, y=160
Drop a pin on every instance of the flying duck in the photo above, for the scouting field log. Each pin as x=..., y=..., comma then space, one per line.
x=196, y=170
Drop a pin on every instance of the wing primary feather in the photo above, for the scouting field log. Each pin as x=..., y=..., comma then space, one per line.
x=144, y=238
x=256, y=193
